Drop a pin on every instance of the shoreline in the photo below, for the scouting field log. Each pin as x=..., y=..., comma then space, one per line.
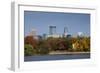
x=54, y=53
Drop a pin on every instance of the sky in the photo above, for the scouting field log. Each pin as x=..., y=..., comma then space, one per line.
x=40, y=21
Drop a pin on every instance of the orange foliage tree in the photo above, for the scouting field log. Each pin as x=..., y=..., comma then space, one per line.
x=30, y=40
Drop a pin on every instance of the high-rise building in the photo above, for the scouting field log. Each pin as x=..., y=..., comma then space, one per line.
x=65, y=31
x=33, y=32
x=52, y=30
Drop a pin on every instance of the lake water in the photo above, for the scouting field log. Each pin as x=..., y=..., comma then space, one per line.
x=57, y=57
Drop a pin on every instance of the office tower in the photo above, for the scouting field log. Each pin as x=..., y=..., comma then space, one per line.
x=33, y=32
x=52, y=30
x=65, y=31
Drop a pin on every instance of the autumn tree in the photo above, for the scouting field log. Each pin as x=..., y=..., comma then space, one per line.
x=30, y=40
x=58, y=44
x=81, y=44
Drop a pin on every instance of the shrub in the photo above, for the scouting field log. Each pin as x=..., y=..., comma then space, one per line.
x=42, y=48
x=29, y=50
x=43, y=51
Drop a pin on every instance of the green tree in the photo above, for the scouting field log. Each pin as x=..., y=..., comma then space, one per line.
x=29, y=50
x=42, y=47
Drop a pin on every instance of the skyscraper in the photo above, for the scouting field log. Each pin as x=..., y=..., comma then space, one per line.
x=52, y=30
x=65, y=31
x=33, y=32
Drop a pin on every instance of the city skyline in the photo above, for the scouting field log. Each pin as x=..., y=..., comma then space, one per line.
x=75, y=22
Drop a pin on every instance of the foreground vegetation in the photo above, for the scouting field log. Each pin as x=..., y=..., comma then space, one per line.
x=45, y=46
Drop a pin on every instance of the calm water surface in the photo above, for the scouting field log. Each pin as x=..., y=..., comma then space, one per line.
x=57, y=57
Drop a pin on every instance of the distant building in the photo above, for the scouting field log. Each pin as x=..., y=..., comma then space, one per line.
x=44, y=36
x=65, y=31
x=33, y=33
x=52, y=33
x=52, y=30
x=54, y=36
x=69, y=36
x=80, y=34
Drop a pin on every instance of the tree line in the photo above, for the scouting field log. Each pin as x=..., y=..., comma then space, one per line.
x=41, y=46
